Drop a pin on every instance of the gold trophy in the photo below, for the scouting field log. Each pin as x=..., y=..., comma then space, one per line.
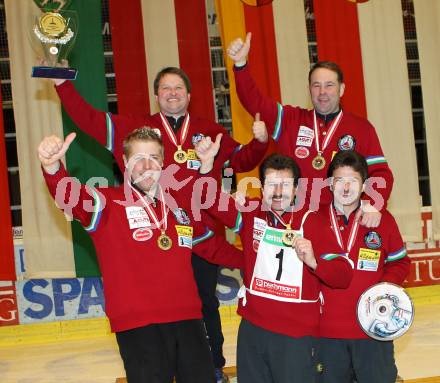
x=53, y=34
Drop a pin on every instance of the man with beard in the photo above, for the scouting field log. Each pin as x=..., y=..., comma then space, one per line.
x=283, y=270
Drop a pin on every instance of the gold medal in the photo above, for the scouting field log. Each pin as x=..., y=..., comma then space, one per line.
x=318, y=162
x=52, y=24
x=164, y=242
x=180, y=155
x=288, y=236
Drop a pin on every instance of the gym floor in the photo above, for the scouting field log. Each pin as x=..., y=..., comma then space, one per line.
x=97, y=360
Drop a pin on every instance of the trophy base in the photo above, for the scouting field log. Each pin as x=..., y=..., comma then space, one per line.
x=54, y=72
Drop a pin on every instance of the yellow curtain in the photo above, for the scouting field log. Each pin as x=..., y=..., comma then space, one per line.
x=389, y=105
x=160, y=36
x=46, y=233
x=292, y=51
x=428, y=39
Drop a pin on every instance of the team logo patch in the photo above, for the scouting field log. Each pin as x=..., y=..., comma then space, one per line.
x=373, y=240
x=197, y=137
x=181, y=216
x=142, y=234
x=302, y=152
x=346, y=142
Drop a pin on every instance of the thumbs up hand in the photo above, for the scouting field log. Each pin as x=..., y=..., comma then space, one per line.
x=51, y=150
x=238, y=50
x=206, y=150
x=259, y=130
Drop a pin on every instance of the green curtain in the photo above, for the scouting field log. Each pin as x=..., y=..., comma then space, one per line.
x=86, y=158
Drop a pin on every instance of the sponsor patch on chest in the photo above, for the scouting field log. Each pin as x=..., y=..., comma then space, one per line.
x=258, y=232
x=184, y=236
x=304, y=140
x=305, y=131
x=259, y=227
x=368, y=259
x=142, y=234
x=302, y=152
x=137, y=217
x=193, y=162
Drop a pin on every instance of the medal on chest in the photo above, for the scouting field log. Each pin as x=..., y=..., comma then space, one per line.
x=289, y=235
x=180, y=155
x=164, y=242
x=319, y=162
x=346, y=248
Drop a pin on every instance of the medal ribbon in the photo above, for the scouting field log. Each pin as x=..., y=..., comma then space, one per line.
x=170, y=132
x=288, y=225
x=152, y=213
x=330, y=132
x=351, y=237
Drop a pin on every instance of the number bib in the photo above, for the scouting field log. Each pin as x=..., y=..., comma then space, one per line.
x=278, y=272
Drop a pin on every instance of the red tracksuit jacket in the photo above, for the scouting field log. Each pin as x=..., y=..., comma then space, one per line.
x=292, y=128
x=143, y=284
x=390, y=263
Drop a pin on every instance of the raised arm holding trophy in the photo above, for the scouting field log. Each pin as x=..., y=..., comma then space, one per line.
x=53, y=34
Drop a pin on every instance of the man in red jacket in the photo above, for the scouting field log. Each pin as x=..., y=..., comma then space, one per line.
x=378, y=255
x=282, y=273
x=144, y=249
x=313, y=137
x=179, y=131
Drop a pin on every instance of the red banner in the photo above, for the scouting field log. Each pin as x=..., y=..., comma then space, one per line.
x=337, y=36
x=7, y=269
x=194, y=54
x=425, y=269
x=263, y=54
x=129, y=57
x=8, y=304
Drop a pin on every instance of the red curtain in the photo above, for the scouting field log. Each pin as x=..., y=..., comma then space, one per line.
x=263, y=53
x=337, y=35
x=129, y=56
x=194, y=54
x=7, y=268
